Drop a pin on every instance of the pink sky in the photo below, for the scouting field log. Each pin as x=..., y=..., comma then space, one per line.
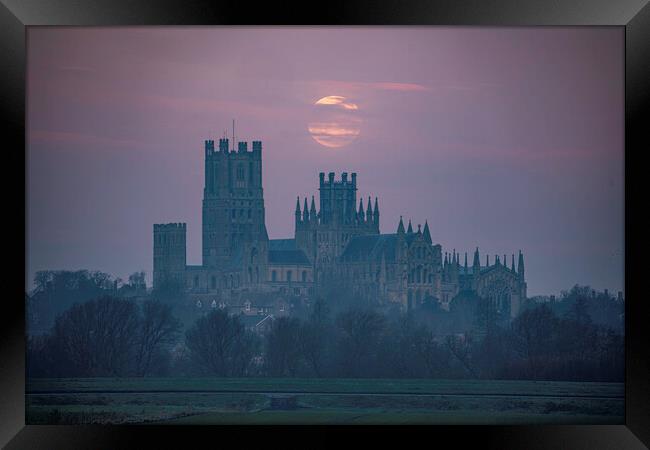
x=502, y=138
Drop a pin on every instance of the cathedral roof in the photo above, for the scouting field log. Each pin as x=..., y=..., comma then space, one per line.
x=288, y=257
x=285, y=251
x=371, y=247
x=282, y=244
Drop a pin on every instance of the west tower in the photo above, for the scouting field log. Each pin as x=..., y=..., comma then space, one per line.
x=169, y=253
x=233, y=201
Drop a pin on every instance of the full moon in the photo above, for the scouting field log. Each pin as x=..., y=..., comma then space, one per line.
x=335, y=121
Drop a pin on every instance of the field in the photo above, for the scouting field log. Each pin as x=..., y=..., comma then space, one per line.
x=320, y=401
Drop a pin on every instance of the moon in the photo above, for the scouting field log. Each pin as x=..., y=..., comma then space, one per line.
x=334, y=121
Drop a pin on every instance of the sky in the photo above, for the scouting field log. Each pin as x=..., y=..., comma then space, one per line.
x=503, y=138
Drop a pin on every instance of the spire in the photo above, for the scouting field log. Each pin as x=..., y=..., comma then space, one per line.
x=312, y=211
x=361, y=213
x=305, y=212
x=410, y=228
x=505, y=261
x=297, y=211
x=465, y=261
x=520, y=265
x=477, y=261
x=487, y=260
x=446, y=261
x=400, y=227
x=369, y=210
x=419, y=228
x=513, y=263
x=375, y=217
x=426, y=234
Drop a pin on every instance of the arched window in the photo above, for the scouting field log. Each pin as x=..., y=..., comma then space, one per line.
x=213, y=282
x=250, y=275
x=240, y=172
x=304, y=276
x=196, y=281
x=289, y=275
x=257, y=274
x=274, y=275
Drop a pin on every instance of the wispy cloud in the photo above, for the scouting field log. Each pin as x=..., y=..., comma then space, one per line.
x=79, y=139
x=373, y=85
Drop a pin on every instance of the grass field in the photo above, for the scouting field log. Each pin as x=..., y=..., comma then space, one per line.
x=320, y=401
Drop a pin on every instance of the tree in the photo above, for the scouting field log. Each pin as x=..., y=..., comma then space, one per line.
x=461, y=347
x=535, y=332
x=137, y=280
x=98, y=336
x=220, y=344
x=157, y=329
x=313, y=337
x=283, y=347
x=361, y=333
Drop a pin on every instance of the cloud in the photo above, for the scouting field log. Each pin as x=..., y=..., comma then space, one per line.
x=75, y=138
x=375, y=85
x=339, y=101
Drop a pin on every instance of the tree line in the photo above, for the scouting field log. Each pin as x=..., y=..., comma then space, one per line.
x=111, y=336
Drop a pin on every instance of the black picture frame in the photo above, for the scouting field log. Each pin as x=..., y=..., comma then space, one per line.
x=16, y=15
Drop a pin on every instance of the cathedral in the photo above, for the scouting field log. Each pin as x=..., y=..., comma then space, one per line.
x=337, y=242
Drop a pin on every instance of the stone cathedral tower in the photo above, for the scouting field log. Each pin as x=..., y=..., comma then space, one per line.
x=233, y=201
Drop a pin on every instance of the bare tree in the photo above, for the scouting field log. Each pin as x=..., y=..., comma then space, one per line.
x=361, y=333
x=313, y=337
x=534, y=334
x=283, y=347
x=157, y=328
x=98, y=336
x=460, y=346
x=221, y=345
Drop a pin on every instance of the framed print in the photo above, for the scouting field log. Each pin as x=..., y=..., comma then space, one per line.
x=416, y=215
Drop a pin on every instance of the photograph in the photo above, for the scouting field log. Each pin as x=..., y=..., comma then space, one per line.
x=343, y=225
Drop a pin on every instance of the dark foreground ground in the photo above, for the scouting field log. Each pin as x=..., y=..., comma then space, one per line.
x=320, y=401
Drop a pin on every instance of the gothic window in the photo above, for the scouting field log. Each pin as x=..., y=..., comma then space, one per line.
x=250, y=171
x=274, y=275
x=257, y=274
x=289, y=275
x=250, y=275
x=240, y=172
x=196, y=281
x=213, y=282
x=304, y=276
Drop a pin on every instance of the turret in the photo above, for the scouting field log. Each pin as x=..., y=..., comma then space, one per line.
x=487, y=260
x=400, y=227
x=313, y=216
x=369, y=211
x=426, y=234
x=512, y=268
x=520, y=265
x=477, y=261
x=297, y=210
